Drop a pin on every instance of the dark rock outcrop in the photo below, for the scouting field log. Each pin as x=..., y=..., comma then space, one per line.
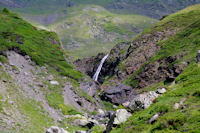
x=89, y=65
x=158, y=71
x=117, y=94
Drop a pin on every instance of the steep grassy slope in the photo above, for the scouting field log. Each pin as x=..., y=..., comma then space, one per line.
x=88, y=30
x=184, y=91
x=42, y=46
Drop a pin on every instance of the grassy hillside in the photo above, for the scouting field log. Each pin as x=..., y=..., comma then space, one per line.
x=185, y=89
x=83, y=25
x=88, y=30
x=42, y=46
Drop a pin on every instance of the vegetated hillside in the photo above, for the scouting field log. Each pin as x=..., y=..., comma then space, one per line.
x=151, y=8
x=161, y=57
x=93, y=26
x=83, y=25
x=88, y=30
x=37, y=86
x=178, y=109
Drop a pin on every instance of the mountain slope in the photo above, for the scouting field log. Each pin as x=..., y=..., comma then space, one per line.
x=151, y=8
x=94, y=29
x=161, y=57
x=37, y=85
x=91, y=24
x=178, y=109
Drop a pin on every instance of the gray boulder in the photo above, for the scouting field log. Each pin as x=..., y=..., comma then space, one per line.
x=161, y=90
x=121, y=116
x=81, y=122
x=55, y=129
x=54, y=83
x=143, y=101
x=154, y=118
x=117, y=94
x=85, y=122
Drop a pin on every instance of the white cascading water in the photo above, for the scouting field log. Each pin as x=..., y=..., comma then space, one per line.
x=96, y=75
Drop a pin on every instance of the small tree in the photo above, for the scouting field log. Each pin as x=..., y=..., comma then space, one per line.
x=5, y=10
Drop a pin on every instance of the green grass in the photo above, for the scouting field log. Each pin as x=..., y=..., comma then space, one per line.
x=56, y=100
x=42, y=46
x=185, y=42
x=185, y=119
x=104, y=31
x=108, y=106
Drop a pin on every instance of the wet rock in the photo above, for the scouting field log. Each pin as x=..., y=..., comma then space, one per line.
x=121, y=116
x=90, y=88
x=153, y=119
x=55, y=129
x=54, y=82
x=89, y=65
x=117, y=94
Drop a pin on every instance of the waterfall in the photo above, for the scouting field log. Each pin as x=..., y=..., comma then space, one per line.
x=96, y=75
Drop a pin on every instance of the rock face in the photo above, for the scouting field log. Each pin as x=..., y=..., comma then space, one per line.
x=121, y=116
x=89, y=65
x=159, y=71
x=132, y=54
x=117, y=94
x=90, y=88
x=55, y=129
x=80, y=103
